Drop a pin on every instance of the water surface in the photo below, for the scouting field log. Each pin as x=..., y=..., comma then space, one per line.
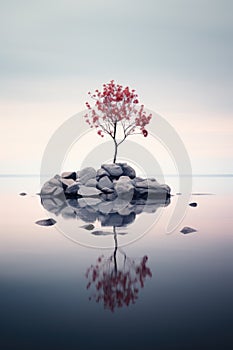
x=184, y=302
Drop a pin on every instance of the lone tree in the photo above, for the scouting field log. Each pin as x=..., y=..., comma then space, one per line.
x=116, y=113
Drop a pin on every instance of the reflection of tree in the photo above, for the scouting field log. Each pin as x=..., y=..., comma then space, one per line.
x=117, y=279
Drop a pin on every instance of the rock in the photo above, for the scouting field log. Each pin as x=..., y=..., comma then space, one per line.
x=73, y=188
x=91, y=183
x=113, y=169
x=100, y=173
x=124, y=188
x=107, y=190
x=147, y=183
x=127, y=170
x=67, y=182
x=23, y=194
x=69, y=175
x=52, y=187
x=88, y=227
x=46, y=222
x=194, y=204
x=187, y=229
x=88, y=191
x=104, y=182
x=87, y=174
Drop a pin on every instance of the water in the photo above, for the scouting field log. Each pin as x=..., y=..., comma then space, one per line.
x=185, y=301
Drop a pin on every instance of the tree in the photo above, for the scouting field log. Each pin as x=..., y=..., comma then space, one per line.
x=117, y=114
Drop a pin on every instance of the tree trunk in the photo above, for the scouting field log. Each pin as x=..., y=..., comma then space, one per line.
x=115, y=152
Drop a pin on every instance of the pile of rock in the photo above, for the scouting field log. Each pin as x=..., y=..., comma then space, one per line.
x=111, y=181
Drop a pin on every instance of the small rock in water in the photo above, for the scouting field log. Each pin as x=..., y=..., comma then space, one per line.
x=23, y=194
x=194, y=204
x=88, y=227
x=187, y=229
x=46, y=222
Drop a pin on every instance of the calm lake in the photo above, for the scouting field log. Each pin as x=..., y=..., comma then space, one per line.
x=63, y=287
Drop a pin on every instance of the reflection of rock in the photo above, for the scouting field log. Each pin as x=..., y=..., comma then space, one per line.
x=107, y=233
x=113, y=195
x=109, y=213
x=187, y=229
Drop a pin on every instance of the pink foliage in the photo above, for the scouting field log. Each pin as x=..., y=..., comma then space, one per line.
x=117, y=105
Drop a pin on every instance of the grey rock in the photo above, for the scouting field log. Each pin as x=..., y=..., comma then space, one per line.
x=91, y=183
x=104, y=182
x=69, y=175
x=124, y=189
x=187, y=229
x=88, y=191
x=73, y=188
x=127, y=170
x=147, y=183
x=67, y=182
x=46, y=222
x=100, y=173
x=113, y=169
x=107, y=190
x=52, y=187
x=87, y=174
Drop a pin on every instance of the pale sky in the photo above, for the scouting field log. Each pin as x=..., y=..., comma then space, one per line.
x=177, y=54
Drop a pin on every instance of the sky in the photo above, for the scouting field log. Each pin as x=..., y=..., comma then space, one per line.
x=177, y=54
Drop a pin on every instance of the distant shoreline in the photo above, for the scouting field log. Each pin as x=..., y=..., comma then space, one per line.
x=167, y=175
